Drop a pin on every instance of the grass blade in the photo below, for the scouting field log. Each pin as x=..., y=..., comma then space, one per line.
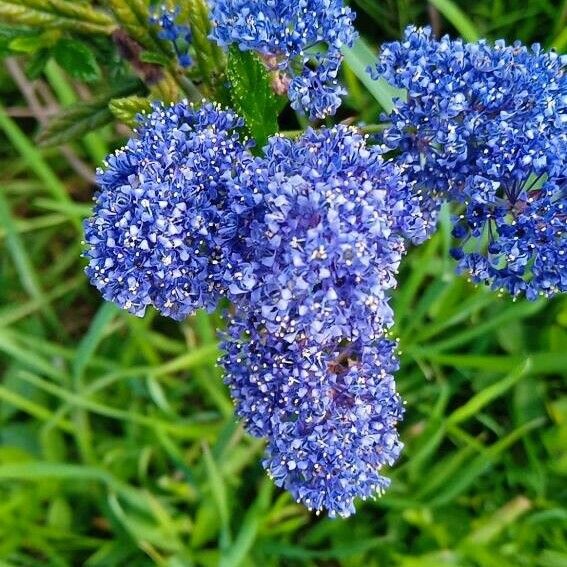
x=28, y=277
x=35, y=161
x=359, y=58
x=458, y=18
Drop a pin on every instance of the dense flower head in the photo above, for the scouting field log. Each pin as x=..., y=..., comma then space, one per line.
x=486, y=126
x=329, y=413
x=324, y=223
x=179, y=35
x=153, y=238
x=300, y=41
x=527, y=250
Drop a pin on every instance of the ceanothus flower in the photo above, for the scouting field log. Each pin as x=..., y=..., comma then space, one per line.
x=322, y=222
x=299, y=40
x=329, y=414
x=179, y=35
x=527, y=249
x=486, y=126
x=153, y=238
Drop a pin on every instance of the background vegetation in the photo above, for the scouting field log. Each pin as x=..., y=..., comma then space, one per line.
x=118, y=444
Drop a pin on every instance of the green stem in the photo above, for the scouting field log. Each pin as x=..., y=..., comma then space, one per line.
x=189, y=88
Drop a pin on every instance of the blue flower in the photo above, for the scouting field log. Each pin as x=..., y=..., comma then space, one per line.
x=485, y=126
x=154, y=238
x=180, y=36
x=299, y=40
x=329, y=413
x=322, y=222
x=527, y=244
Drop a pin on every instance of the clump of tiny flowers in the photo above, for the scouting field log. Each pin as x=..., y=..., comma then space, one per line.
x=300, y=41
x=324, y=220
x=179, y=35
x=329, y=414
x=486, y=126
x=154, y=236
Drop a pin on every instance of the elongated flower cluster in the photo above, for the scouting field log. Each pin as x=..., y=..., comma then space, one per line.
x=299, y=40
x=325, y=222
x=486, y=126
x=329, y=414
x=179, y=35
x=306, y=241
x=154, y=235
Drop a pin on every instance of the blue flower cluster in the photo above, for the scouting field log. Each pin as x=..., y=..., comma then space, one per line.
x=180, y=36
x=306, y=241
x=323, y=220
x=155, y=234
x=486, y=126
x=329, y=414
x=299, y=40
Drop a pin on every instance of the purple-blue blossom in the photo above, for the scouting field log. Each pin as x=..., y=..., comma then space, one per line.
x=527, y=248
x=485, y=126
x=300, y=41
x=323, y=221
x=179, y=35
x=329, y=413
x=153, y=238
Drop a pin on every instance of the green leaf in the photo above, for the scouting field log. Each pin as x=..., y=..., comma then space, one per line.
x=359, y=58
x=132, y=16
x=33, y=43
x=28, y=277
x=210, y=58
x=154, y=57
x=560, y=42
x=218, y=490
x=89, y=343
x=128, y=108
x=250, y=527
x=35, y=160
x=11, y=32
x=77, y=59
x=36, y=64
x=82, y=118
x=56, y=14
x=252, y=94
x=475, y=405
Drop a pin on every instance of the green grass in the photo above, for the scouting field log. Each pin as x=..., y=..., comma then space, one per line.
x=118, y=445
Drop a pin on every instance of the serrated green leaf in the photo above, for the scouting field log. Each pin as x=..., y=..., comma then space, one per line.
x=9, y=33
x=252, y=94
x=56, y=14
x=127, y=109
x=82, y=118
x=77, y=59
